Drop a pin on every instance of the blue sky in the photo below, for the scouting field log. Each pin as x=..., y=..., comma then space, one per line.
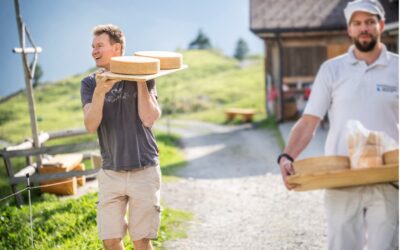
x=63, y=29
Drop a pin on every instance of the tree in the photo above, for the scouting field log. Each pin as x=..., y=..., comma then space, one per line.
x=38, y=74
x=200, y=42
x=241, y=49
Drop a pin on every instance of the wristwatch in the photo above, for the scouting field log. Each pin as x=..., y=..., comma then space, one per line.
x=286, y=156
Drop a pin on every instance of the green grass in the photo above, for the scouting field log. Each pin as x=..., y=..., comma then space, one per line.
x=212, y=83
x=215, y=88
x=71, y=224
x=171, y=157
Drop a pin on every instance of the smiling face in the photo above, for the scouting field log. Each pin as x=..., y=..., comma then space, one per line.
x=103, y=50
x=365, y=30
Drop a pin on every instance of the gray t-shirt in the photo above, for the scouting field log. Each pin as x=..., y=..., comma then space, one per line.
x=125, y=143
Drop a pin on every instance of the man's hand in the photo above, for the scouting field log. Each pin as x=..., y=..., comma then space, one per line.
x=286, y=170
x=141, y=81
x=103, y=84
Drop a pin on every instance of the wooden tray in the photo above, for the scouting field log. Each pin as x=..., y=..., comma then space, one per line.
x=345, y=178
x=143, y=77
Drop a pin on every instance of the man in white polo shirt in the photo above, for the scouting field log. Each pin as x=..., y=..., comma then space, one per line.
x=359, y=85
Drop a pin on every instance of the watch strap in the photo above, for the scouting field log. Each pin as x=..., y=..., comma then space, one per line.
x=286, y=156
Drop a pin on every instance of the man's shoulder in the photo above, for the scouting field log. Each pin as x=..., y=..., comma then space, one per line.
x=89, y=79
x=393, y=56
x=332, y=65
x=338, y=60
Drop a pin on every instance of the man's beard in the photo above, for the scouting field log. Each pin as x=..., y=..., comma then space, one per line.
x=365, y=46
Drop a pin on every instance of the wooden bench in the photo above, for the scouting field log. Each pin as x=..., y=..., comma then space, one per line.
x=247, y=114
x=62, y=163
x=27, y=151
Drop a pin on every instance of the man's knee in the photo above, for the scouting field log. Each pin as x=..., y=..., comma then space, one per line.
x=143, y=244
x=113, y=244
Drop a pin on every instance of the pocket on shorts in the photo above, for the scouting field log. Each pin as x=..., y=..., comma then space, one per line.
x=157, y=220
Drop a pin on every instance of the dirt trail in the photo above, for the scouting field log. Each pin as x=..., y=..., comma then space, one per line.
x=232, y=185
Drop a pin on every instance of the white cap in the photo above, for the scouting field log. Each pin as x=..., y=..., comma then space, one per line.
x=369, y=6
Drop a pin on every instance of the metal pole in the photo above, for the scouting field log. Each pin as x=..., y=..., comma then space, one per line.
x=28, y=80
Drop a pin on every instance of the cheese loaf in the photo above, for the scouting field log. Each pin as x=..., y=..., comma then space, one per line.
x=134, y=65
x=168, y=60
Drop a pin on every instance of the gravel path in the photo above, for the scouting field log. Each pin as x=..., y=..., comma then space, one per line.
x=232, y=185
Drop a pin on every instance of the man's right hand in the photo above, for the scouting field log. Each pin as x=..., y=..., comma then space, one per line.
x=286, y=170
x=103, y=84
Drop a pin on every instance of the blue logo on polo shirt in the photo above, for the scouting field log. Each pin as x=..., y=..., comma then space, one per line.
x=386, y=88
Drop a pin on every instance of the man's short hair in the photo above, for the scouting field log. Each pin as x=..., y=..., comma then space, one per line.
x=114, y=33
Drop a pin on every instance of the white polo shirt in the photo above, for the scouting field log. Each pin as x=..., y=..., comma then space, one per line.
x=349, y=89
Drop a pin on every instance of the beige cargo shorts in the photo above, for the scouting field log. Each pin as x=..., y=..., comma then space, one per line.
x=129, y=200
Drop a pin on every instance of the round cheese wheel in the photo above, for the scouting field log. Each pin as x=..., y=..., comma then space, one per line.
x=168, y=60
x=134, y=65
x=391, y=157
x=321, y=164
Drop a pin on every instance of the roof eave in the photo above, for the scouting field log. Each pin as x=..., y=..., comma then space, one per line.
x=300, y=30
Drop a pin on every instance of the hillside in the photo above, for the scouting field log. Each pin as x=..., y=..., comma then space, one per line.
x=212, y=83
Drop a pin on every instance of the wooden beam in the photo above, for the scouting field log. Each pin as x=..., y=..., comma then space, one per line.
x=59, y=149
x=10, y=173
x=314, y=33
x=302, y=34
x=281, y=73
x=27, y=50
x=304, y=43
x=294, y=80
x=53, y=176
x=31, y=169
x=67, y=133
x=28, y=78
x=43, y=137
x=28, y=143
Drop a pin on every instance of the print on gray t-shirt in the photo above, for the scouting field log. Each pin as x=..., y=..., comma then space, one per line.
x=125, y=143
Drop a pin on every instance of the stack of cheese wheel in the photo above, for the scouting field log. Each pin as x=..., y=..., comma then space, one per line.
x=168, y=60
x=365, y=151
x=134, y=65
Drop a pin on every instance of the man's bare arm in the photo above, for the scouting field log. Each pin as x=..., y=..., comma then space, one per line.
x=149, y=111
x=93, y=112
x=300, y=135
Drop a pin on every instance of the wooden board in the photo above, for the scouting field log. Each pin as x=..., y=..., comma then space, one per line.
x=346, y=178
x=240, y=111
x=67, y=161
x=142, y=77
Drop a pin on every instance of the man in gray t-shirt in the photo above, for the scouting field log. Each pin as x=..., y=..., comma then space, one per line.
x=125, y=143
x=122, y=113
